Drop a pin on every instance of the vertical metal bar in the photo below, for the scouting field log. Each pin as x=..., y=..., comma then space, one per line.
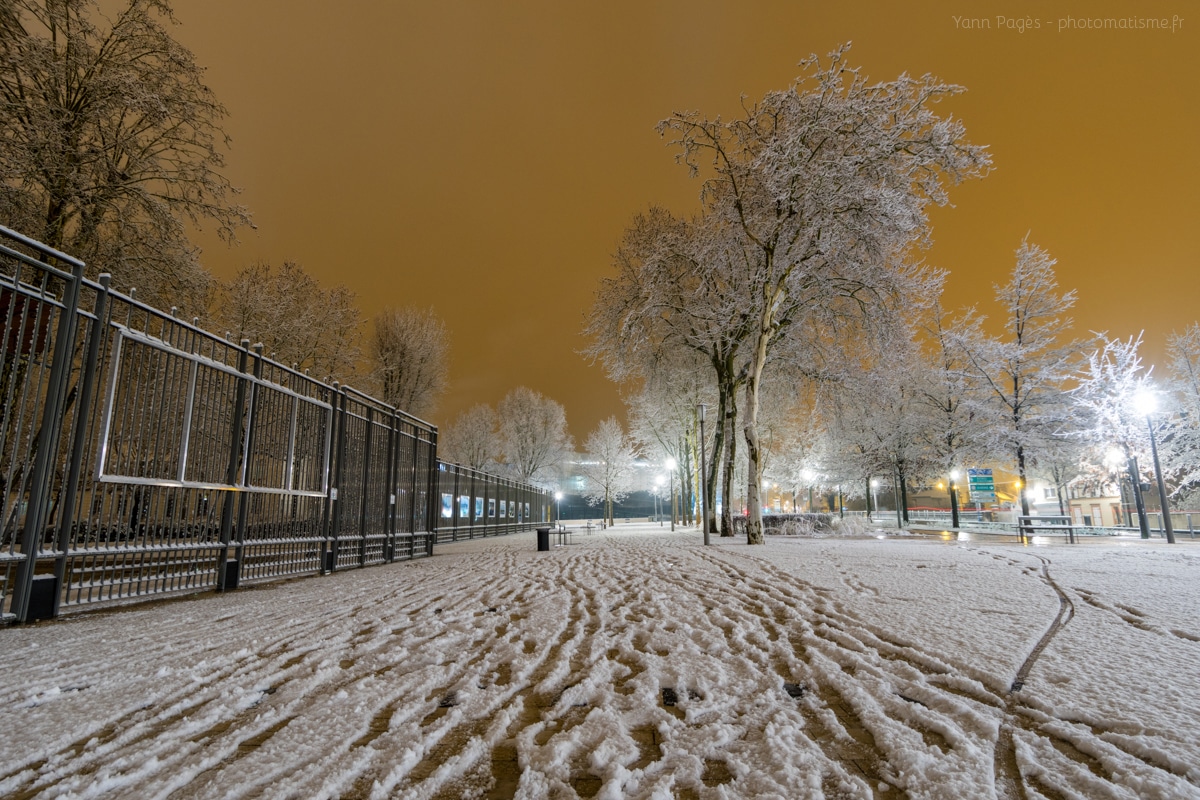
x=231, y=471
x=47, y=445
x=245, y=497
x=189, y=403
x=389, y=525
x=433, y=463
x=335, y=521
x=290, y=460
x=79, y=442
x=366, y=490
x=454, y=509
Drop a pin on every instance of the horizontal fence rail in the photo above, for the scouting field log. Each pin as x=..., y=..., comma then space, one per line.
x=141, y=454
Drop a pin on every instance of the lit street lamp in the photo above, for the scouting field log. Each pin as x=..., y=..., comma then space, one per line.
x=557, y=507
x=1146, y=403
x=874, y=499
x=670, y=465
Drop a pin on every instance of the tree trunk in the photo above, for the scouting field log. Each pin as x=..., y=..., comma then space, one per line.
x=1024, y=492
x=754, y=523
x=727, y=462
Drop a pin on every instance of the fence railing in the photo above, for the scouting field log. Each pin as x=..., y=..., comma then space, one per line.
x=141, y=454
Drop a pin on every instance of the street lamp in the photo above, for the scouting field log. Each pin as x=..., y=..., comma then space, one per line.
x=670, y=465
x=658, y=482
x=703, y=477
x=557, y=507
x=953, y=499
x=874, y=499
x=1146, y=403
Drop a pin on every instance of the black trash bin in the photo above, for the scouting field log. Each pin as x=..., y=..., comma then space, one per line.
x=543, y=539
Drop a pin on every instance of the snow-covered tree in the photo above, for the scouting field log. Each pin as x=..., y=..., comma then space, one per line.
x=662, y=311
x=533, y=435
x=1104, y=406
x=815, y=192
x=607, y=466
x=1181, y=444
x=299, y=322
x=662, y=419
x=1023, y=372
x=472, y=439
x=949, y=396
x=112, y=144
x=409, y=358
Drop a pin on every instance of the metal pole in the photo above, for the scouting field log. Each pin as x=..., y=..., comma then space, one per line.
x=79, y=444
x=46, y=444
x=1162, y=488
x=896, y=495
x=236, y=436
x=953, y=504
x=1136, y=486
x=672, y=501
x=703, y=479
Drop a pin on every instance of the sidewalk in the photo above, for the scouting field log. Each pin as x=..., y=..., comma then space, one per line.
x=632, y=663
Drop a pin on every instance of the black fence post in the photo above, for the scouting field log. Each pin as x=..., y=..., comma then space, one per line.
x=47, y=448
x=433, y=500
x=335, y=511
x=363, y=505
x=236, y=437
x=79, y=441
x=389, y=547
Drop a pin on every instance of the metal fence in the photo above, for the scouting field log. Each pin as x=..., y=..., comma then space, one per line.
x=140, y=454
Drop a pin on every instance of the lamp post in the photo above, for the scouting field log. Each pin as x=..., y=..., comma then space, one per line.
x=658, y=482
x=557, y=507
x=953, y=499
x=703, y=477
x=670, y=465
x=874, y=499
x=1146, y=403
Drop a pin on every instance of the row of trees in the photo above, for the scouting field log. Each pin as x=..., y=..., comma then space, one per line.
x=525, y=436
x=794, y=304
x=111, y=147
x=914, y=402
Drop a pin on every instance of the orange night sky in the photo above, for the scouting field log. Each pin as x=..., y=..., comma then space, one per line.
x=483, y=157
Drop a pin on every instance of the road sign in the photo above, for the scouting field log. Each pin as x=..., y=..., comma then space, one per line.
x=982, y=485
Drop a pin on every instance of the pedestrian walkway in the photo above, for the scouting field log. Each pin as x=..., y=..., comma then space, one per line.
x=632, y=663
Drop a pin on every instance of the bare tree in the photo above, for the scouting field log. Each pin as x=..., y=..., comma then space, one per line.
x=533, y=435
x=409, y=353
x=471, y=440
x=819, y=189
x=607, y=466
x=112, y=143
x=298, y=322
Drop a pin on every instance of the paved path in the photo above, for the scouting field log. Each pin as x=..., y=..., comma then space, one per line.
x=633, y=663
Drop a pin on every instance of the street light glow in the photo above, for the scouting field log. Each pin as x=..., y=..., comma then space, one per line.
x=1146, y=402
x=670, y=463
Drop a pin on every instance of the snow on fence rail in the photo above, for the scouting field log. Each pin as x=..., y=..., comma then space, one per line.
x=141, y=454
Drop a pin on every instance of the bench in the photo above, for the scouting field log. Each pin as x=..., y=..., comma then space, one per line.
x=1046, y=524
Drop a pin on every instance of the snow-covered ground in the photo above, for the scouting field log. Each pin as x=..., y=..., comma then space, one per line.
x=880, y=668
